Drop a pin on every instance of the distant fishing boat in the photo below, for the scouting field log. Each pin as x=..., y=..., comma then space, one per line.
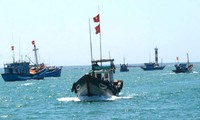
x=52, y=71
x=153, y=66
x=99, y=81
x=20, y=71
x=124, y=67
x=183, y=67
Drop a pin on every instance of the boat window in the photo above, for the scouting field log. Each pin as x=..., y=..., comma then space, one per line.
x=99, y=76
x=106, y=76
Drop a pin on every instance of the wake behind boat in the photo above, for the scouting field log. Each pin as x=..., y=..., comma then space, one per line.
x=99, y=81
x=152, y=65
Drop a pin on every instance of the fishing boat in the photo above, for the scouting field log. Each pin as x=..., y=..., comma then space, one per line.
x=183, y=67
x=20, y=71
x=153, y=65
x=124, y=67
x=100, y=79
x=52, y=71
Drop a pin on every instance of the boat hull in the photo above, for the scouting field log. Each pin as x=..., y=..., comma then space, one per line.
x=153, y=68
x=20, y=77
x=54, y=73
x=182, y=71
x=124, y=70
x=91, y=86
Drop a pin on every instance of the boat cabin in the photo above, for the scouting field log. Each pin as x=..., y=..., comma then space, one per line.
x=105, y=75
x=103, y=71
x=17, y=68
x=101, y=64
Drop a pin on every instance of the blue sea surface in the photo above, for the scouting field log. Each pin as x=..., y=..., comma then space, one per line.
x=145, y=95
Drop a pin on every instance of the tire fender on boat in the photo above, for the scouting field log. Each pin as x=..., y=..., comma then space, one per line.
x=78, y=87
x=102, y=86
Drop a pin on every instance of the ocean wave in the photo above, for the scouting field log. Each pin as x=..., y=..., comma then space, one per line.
x=26, y=84
x=194, y=72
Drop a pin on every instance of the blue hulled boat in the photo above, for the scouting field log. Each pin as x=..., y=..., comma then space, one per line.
x=21, y=71
x=152, y=65
x=53, y=71
x=183, y=67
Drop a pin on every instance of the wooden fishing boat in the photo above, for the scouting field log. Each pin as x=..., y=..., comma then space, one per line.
x=99, y=81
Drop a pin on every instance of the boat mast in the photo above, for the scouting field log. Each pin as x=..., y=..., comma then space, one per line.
x=90, y=41
x=35, y=50
x=20, y=60
x=100, y=37
x=109, y=55
x=187, y=59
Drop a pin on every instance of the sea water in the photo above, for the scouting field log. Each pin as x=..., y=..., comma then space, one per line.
x=148, y=95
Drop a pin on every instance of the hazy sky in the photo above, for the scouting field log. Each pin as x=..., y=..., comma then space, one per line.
x=129, y=28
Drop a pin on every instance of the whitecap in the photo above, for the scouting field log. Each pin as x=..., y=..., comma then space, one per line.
x=194, y=72
x=68, y=99
x=92, y=99
x=4, y=116
x=26, y=84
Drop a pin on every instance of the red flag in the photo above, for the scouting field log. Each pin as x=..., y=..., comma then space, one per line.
x=97, y=28
x=96, y=18
x=12, y=48
x=33, y=42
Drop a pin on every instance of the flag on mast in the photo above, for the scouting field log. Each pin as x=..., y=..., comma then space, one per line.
x=33, y=42
x=97, y=28
x=96, y=18
x=12, y=48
